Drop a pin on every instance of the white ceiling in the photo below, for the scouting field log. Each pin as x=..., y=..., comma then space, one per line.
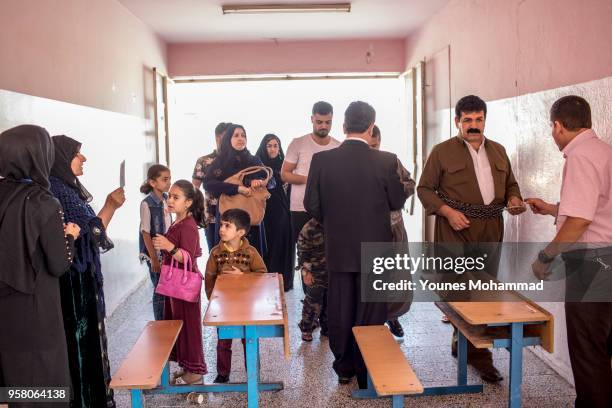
x=202, y=20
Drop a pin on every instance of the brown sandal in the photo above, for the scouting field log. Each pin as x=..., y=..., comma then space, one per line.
x=181, y=380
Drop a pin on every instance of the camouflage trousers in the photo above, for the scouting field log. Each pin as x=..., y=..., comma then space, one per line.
x=314, y=310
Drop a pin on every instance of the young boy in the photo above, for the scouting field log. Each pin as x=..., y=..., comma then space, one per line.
x=233, y=255
x=311, y=259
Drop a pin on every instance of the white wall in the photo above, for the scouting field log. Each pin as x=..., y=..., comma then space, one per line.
x=107, y=138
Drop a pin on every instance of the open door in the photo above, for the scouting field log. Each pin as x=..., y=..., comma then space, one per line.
x=414, y=223
x=434, y=110
x=161, y=84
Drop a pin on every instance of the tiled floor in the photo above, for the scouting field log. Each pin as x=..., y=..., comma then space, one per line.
x=310, y=381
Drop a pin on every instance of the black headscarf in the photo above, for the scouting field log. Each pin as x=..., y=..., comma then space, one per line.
x=262, y=153
x=26, y=204
x=228, y=156
x=276, y=163
x=66, y=150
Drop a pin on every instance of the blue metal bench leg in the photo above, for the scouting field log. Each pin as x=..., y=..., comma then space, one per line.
x=252, y=350
x=397, y=401
x=165, y=378
x=516, y=364
x=461, y=359
x=137, y=399
x=462, y=386
x=369, y=392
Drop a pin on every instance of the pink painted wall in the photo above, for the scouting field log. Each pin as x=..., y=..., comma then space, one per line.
x=285, y=57
x=91, y=53
x=503, y=48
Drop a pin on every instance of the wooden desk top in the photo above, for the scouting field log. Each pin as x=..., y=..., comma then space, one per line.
x=518, y=311
x=249, y=299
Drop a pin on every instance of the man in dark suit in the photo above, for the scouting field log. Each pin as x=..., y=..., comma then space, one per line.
x=351, y=190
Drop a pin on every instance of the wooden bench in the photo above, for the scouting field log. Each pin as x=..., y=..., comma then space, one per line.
x=389, y=372
x=145, y=364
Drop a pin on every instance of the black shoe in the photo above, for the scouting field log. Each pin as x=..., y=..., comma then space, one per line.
x=344, y=380
x=395, y=328
x=221, y=379
x=490, y=374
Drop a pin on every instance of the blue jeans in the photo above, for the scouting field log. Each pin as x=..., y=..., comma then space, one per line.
x=157, y=299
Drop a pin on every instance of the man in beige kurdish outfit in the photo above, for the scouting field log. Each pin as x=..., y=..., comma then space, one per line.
x=467, y=183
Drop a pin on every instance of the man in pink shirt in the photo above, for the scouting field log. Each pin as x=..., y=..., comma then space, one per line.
x=584, y=238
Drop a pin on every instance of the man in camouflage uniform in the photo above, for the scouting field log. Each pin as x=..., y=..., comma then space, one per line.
x=311, y=260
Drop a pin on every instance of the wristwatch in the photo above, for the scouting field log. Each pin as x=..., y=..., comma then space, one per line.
x=544, y=257
x=174, y=250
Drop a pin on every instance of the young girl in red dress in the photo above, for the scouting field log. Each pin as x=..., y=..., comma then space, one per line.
x=188, y=204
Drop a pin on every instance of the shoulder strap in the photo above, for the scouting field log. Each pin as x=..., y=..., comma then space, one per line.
x=255, y=169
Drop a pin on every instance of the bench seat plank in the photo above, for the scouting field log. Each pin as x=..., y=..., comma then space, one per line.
x=387, y=365
x=143, y=366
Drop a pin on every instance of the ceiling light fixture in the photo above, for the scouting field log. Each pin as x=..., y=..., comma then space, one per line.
x=286, y=8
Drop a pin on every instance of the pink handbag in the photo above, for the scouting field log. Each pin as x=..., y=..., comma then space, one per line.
x=185, y=285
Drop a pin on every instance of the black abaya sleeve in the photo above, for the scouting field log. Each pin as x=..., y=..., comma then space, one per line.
x=57, y=249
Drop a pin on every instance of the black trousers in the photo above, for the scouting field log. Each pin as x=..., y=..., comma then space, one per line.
x=344, y=311
x=589, y=331
x=298, y=220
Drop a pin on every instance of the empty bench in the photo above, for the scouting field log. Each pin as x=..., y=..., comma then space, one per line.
x=389, y=372
x=147, y=362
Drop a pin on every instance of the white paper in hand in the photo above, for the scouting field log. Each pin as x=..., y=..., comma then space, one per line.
x=122, y=174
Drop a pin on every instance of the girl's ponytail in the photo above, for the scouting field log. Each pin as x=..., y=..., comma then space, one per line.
x=197, y=208
x=146, y=188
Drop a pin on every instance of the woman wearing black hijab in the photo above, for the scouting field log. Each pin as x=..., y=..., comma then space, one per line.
x=277, y=218
x=82, y=286
x=36, y=249
x=233, y=157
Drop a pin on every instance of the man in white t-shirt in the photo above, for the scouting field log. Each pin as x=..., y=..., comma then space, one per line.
x=297, y=163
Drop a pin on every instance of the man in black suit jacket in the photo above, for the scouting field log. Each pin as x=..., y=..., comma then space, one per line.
x=351, y=190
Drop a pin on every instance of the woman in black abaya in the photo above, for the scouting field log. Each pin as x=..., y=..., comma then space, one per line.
x=277, y=218
x=36, y=249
